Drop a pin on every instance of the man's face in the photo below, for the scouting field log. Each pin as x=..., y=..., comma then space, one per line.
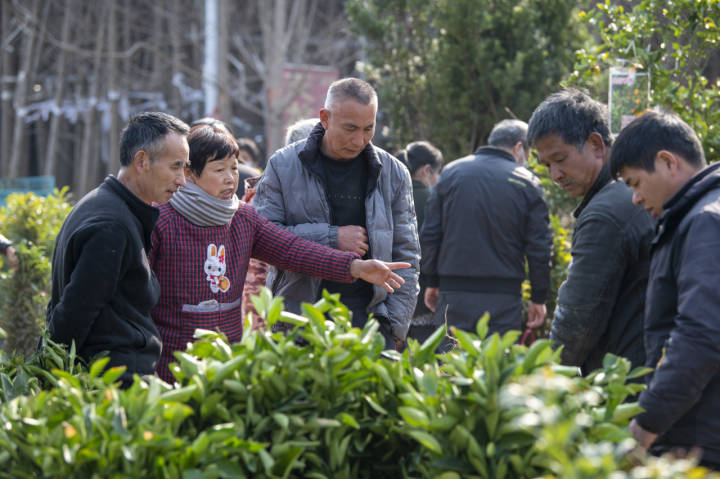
x=349, y=127
x=219, y=178
x=650, y=189
x=573, y=170
x=165, y=172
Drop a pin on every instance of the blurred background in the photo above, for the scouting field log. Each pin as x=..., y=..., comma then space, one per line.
x=72, y=72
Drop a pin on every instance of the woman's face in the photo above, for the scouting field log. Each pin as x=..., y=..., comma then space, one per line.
x=427, y=175
x=219, y=178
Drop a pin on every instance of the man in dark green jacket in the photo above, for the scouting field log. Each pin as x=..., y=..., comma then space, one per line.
x=102, y=286
x=600, y=305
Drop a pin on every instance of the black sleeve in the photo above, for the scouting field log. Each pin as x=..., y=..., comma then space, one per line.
x=538, y=248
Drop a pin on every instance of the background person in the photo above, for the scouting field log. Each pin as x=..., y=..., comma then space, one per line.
x=7, y=250
x=300, y=130
x=487, y=216
x=424, y=162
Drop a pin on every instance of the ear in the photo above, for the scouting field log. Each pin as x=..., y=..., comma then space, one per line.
x=324, y=117
x=519, y=152
x=667, y=159
x=141, y=161
x=221, y=254
x=189, y=175
x=211, y=250
x=595, y=141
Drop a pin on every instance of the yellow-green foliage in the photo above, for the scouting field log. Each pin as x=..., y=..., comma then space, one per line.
x=32, y=223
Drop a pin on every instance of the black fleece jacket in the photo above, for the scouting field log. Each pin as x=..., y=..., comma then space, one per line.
x=103, y=287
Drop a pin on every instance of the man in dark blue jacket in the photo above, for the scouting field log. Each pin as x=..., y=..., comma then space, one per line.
x=600, y=305
x=102, y=286
x=487, y=216
x=660, y=157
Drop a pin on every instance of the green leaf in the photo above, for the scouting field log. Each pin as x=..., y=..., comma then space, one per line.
x=426, y=440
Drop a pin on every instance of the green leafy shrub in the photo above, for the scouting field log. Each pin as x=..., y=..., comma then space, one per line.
x=32, y=223
x=674, y=42
x=338, y=407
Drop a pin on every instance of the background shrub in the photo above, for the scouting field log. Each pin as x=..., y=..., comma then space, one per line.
x=32, y=222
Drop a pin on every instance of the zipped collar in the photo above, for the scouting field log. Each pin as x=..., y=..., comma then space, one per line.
x=681, y=202
x=604, y=177
x=146, y=214
x=310, y=157
x=495, y=152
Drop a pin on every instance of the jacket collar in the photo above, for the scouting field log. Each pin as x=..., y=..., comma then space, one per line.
x=681, y=202
x=492, y=151
x=146, y=214
x=604, y=177
x=310, y=156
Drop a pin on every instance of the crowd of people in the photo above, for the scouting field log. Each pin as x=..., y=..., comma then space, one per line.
x=166, y=246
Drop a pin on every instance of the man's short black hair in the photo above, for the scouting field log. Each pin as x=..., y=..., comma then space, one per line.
x=249, y=146
x=146, y=131
x=639, y=142
x=420, y=153
x=572, y=115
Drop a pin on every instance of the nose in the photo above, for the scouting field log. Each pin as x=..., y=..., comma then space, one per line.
x=556, y=173
x=357, y=139
x=180, y=179
x=636, y=198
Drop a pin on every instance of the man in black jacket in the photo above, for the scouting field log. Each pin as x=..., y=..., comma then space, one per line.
x=660, y=157
x=102, y=286
x=486, y=215
x=600, y=305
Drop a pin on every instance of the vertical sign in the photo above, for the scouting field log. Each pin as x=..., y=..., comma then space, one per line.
x=629, y=96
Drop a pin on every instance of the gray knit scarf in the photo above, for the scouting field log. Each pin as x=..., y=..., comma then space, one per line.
x=202, y=209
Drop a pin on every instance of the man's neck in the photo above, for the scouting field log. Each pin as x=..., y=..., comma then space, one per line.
x=324, y=149
x=131, y=183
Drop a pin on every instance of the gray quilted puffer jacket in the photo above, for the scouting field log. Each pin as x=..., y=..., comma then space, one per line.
x=292, y=194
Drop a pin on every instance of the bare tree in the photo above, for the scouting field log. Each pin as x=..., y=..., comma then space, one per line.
x=73, y=72
x=56, y=115
x=287, y=30
x=84, y=171
x=30, y=23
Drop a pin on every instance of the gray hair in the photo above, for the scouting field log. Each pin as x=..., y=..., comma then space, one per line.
x=507, y=133
x=573, y=116
x=350, y=88
x=300, y=130
x=146, y=131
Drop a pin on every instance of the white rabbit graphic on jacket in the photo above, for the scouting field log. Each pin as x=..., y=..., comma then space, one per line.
x=215, y=266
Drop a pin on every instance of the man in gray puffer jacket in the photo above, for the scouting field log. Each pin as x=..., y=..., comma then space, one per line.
x=338, y=189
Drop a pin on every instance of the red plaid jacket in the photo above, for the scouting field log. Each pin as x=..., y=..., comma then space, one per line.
x=201, y=271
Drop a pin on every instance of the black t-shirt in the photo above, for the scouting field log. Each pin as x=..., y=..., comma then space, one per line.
x=346, y=188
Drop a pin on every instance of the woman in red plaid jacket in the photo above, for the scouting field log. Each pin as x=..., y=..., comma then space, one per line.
x=203, y=241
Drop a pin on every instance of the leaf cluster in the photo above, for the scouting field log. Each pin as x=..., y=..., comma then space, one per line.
x=674, y=42
x=32, y=222
x=324, y=401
